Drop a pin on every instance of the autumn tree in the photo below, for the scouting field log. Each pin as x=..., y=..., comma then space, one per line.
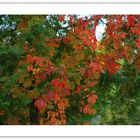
x=56, y=71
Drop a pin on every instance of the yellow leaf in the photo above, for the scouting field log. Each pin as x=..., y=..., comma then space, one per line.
x=32, y=94
x=27, y=83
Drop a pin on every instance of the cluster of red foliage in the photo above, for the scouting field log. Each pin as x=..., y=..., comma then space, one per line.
x=55, y=100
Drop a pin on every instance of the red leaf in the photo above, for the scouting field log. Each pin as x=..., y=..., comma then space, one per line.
x=131, y=21
x=113, y=68
x=40, y=61
x=78, y=89
x=55, y=82
x=30, y=68
x=61, y=18
x=62, y=84
x=92, y=99
x=51, y=94
x=89, y=110
x=111, y=65
x=91, y=83
x=40, y=104
x=30, y=59
x=50, y=70
x=95, y=67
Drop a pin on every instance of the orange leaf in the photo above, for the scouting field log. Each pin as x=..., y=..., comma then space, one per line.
x=40, y=104
x=89, y=110
x=92, y=99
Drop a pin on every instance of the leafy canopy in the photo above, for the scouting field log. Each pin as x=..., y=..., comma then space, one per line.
x=53, y=70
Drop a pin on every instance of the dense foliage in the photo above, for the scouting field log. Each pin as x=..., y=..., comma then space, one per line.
x=54, y=69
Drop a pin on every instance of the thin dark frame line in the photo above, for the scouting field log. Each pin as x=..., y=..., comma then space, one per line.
x=70, y=136
x=69, y=2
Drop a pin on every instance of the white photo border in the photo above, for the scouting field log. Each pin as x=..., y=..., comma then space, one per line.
x=82, y=9
x=70, y=130
x=70, y=1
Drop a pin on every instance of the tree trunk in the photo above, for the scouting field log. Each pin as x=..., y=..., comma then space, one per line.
x=34, y=114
